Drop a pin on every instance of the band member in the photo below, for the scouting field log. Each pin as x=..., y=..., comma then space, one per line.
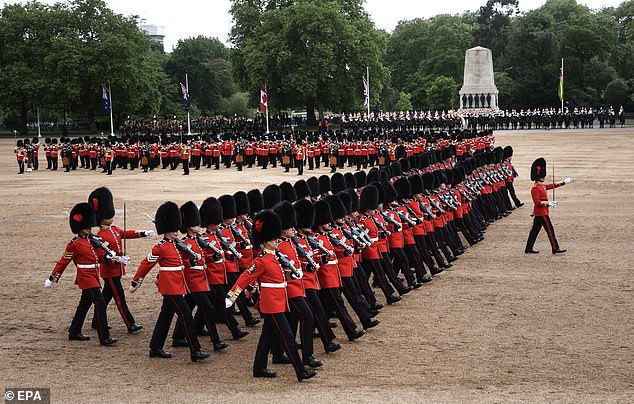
x=87, y=253
x=20, y=154
x=170, y=253
x=111, y=272
x=542, y=204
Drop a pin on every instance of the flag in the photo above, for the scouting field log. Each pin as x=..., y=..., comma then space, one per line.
x=561, y=84
x=186, y=99
x=366, y=92
x=105, y=97
x=264, y=99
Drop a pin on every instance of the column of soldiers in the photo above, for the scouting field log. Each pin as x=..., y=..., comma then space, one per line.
x=300, y=254
x=545, y=118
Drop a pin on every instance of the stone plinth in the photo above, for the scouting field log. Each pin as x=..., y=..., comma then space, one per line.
x=478, y=90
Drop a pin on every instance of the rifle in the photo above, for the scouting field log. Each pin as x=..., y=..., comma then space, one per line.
x=207, y=244
x=340, y=243
x=362, y=234
x=417, y=219
x=318, y=246
x=380, y=226
x=226, y=246
x=99, y=243
x=406, y=219
x=182, y=247
x=296, y=273
x=354, y=238
x=397, y=226
x=304, y=254
x=237, y=233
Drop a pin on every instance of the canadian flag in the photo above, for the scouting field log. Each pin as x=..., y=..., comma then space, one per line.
x=264, y=99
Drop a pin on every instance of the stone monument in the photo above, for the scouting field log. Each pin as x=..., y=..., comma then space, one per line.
x=478, y=90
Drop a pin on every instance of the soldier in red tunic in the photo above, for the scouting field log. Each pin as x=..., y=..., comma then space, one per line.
x=111, y=272
x=85, y=252
x=273, y=302
x=170, y=253
x=540, y=211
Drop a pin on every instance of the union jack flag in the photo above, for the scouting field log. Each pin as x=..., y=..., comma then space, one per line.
x=186, y=99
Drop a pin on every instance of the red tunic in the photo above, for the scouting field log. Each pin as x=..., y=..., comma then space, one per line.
x=195, y=276
x=310, y=278
x=328, y=274
x=295, y=287
x=86, y=258
x=371, y=252
x=244, y=248
x=113, y=235
x=267, y=270
x=346, y=261
x=396, y=238
x=215, y=264
x=538, y=193
x=231, y=262
x=171, y=280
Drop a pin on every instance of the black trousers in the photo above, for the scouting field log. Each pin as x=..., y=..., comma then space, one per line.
x=21, y=167
x=112, y=288
x=217, y=296
x=511, y=190
x=185, y=167
x=415, y=259
x=55, y=162
x=276, y=328
x=376, y=268
x=174, y=304
x=320, y=319
x=300, y=167
x=206, y=310
x=402, y=264
x=538, y=223
x=232, y=277
x=302, y=315
x=88, y=298
x=331, y=297
x=361, y=278
x=358, y=303
x=390, y=273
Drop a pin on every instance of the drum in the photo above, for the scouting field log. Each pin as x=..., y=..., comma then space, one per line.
x=144, y=161
x=333, y=160
x=286, y=160
x=65, y=161
x=381, y=161
x=239, y=158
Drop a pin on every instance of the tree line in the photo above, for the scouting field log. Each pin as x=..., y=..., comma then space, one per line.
x=311, y=54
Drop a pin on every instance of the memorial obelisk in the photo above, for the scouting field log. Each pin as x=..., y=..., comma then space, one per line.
x=478, y=90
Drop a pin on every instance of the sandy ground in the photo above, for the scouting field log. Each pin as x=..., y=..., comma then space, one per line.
x=501, y=327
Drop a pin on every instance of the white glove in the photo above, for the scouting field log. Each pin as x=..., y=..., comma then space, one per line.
x=48, y=283
x=552, y=204
x=568, y=180
x=149, y=233
x=228, y=302
x=124, y=259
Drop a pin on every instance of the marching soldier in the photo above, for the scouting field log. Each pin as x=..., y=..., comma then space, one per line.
x=170, y=254
x=540, y=210
x=273, y=302
x=86, y=252
x=20, y=154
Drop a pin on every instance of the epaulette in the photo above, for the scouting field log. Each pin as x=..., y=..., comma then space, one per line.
x=74, y=239
x=162, y=242
x=262, y=254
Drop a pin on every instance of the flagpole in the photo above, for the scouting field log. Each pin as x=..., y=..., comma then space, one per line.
x=39, y=133
x=562, y=85
x=267, y=109
x=110, y=101
x=367, y=68
x=189, y=131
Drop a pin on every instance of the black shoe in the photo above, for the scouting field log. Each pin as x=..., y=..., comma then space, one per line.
x=451, y=259
x=281, y=359
x=531, y=252
x=436, y=271
x=519, y=205
x=376, y=306
x=240, y=334
x=252, y=322
x=418, y=284
x=203, y=332
x=446, y=266
x=374, y=313
x=313, y=362
x=356, y=335
x=199, y=356
x=426, y=279
x=180, y=342
x=332, y=324
x=220, y=345
x=159, y=353
x=264, y=373
x=559, y=251
x=78, y=337
x=332, y=347
x=306, y=374
x=109, y=341
x=393, y=299
x=371, y=323
x=134, y=328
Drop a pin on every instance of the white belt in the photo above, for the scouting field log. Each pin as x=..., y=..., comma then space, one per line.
x=273, y=285
x=248, y=247
x=374, y=240
x=83, y=266
x=171, y=268
x=198, y=267
x=332, y=262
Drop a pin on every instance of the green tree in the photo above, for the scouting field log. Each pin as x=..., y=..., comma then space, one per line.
x=443, y=93
x=404, y=102
x=617, y=93
x=493, y=19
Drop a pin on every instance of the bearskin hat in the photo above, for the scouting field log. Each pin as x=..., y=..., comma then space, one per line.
x=167, y=218
x=403, y=188
x=272, y=195
x=288, y=192
x=457, y=176
x=337, y=183
x=323, y=213
x=266, y=227
x=389, y=193
x=538, y=169
x=302, y=190
x=82, y=216
x=346, y=199
x=210, y=212
x=428, y=181
x=190, y=216
x=286, y=213
x=256, y=202
x=416, y=184
x=101, y=201
x=242, y=203
x=324, y=184
x=304, y=213
x=228, y=206
x=373, y=176
x=405, y=166
x=313, y=185
x=360, y=178
x=20, y=143
x=400, y=152
x=337, y=208
x=508, y=151
x=354, y=200
x=369, y=198
x=351, y=181
x=380, y=189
